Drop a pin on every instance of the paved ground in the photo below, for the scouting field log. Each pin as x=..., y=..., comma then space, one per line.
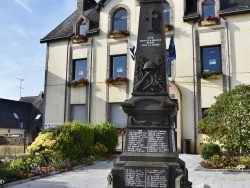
x=95, y=176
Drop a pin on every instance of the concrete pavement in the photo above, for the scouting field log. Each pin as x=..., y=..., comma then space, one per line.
x=95, y=176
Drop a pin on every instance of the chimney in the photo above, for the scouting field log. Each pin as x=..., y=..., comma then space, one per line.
x=83, y=5
x=80, y=5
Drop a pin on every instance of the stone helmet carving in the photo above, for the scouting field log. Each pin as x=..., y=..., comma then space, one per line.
x=149, y=65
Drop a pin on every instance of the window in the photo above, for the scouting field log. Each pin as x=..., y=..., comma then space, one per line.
x=117, y=116
x=211, y=59
x=118, y=66
x=119, y=20
x=80, y=69
x=208, y=8
x=15, y=115
x=81, y=27
x=204, y=112
x=166, y=12
x=38, y=116
x=78, y=112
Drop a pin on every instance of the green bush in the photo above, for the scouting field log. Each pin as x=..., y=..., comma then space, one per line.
x=106, y=134
x=208, y=150
x=75, y=139
x=98, y=150
x=227, y=121
x=71, y=140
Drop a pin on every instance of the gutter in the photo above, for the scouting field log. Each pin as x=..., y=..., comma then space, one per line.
x=90, y=78
x=228, y=55
x=66, y=85
x=194, y=88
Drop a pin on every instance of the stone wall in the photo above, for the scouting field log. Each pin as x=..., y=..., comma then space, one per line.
x=11, y=140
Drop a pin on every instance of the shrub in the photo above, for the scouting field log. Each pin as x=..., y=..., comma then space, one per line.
x=45, y=144
x=98, y=150
x=24, y=163
x=208, y=150
x=106, y=134
x=227, y=121
x=71, y=140
x=75, y=139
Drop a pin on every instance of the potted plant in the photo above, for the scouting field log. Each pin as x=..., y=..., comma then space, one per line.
x=79, y=38
x=168, y=26
x=211, y=20
x=118, y=33
x=206, y=74
x=116, y=81
x=78, y=83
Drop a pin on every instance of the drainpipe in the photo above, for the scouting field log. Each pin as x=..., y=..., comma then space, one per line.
x=90, y=78
x=66, y=85
x=228, y=55
x=194, y=87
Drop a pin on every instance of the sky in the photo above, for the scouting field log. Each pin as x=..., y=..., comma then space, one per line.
x=22, y=57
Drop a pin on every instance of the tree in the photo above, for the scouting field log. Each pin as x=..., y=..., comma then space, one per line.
x=228, y=121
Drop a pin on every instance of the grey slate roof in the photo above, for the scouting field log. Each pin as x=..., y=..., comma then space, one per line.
x=232, y=7
x=27, y=109
x=227, y=8
x=66, y=30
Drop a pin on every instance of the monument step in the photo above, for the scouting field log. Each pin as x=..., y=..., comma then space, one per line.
x=160, y=157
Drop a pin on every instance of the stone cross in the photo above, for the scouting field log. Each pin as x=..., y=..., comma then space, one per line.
x=150, y=17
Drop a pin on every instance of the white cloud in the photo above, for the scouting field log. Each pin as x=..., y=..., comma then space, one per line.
x=24, y=6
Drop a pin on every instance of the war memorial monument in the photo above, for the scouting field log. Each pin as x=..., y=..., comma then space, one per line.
x=149, y=159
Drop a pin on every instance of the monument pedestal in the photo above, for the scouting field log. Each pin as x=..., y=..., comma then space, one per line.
x=150, y=158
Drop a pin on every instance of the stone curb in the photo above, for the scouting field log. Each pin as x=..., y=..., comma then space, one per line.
x=223, y=170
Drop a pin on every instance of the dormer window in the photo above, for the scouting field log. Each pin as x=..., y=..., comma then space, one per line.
x=81, y=27
x=208, y=8
x=119, y=20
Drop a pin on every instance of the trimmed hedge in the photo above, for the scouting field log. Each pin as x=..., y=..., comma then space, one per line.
x=71, y=140
x=106, y=134
x=208, y=150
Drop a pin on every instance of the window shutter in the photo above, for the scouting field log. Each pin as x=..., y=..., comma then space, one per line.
x=78, y=112
x=117, y=116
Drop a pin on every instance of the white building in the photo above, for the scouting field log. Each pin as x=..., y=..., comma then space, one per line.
x=217, y=44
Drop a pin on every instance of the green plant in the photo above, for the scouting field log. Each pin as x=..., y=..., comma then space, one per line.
x=208, y=150
x=98, y=150
x=106, y=134
x=227, y=121
x=75, y=139
x=68, y=141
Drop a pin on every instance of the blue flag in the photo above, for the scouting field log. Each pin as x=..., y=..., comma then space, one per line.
x=171, y=50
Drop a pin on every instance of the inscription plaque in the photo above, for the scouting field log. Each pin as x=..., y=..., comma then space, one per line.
x=150, y=41
x=146, y=177
x=151, y=141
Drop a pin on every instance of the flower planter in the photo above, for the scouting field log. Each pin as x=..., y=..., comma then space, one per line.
x=117, y=36
x=117, y=83
x=79, y=85
x=214, y=76
x=169, y=28
x=75, y=41
x=206, y=22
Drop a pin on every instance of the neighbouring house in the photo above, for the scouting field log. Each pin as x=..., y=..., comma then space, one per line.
x=22, y=118
x=90, y=72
